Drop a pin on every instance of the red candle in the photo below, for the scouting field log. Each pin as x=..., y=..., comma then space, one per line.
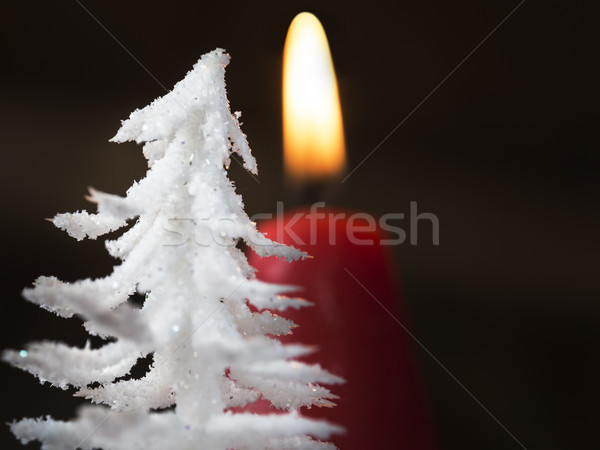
x=354, y=320
x=350, y=281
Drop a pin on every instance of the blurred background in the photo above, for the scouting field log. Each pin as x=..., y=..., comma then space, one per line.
x=502, y=153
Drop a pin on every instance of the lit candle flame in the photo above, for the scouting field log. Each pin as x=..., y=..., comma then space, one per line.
x=313, y=134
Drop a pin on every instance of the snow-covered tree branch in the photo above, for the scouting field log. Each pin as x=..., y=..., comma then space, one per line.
x=206, y=321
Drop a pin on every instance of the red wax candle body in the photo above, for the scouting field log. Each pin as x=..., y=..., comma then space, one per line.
x=381, y=404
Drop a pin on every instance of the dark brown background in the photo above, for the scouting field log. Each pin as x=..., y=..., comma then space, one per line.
x=503, y=153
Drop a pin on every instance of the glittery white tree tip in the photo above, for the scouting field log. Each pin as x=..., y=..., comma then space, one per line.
x=210, y=351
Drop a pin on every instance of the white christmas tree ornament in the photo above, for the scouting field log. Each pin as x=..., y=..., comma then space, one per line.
x=210, y=351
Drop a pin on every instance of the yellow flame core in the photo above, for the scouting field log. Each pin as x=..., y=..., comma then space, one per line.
x=313, y=134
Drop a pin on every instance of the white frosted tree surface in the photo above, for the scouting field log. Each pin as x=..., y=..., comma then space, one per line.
x=211, y=350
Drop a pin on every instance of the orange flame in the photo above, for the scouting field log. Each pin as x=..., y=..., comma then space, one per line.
x=313, y=134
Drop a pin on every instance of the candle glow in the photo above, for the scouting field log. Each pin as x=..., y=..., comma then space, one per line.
x=313, y=133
